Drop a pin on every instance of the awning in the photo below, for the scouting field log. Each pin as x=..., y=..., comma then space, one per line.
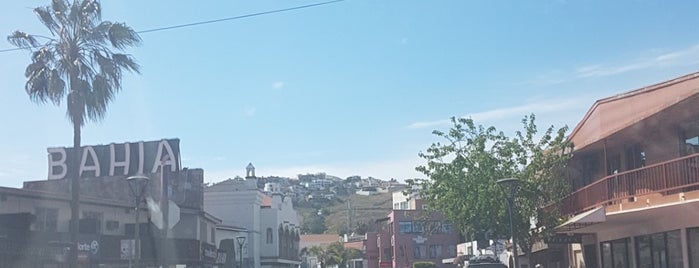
x=582, y=220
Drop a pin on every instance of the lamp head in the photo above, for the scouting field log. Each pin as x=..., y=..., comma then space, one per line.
x=510, y=185
x=137, y=184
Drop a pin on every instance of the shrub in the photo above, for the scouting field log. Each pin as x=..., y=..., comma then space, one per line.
x=423, y=264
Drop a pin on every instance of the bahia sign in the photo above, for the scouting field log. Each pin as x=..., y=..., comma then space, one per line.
x=125, y=159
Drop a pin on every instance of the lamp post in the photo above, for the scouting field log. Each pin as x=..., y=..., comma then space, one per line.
x=137, y=185
x=241, y=241
x=510, y=187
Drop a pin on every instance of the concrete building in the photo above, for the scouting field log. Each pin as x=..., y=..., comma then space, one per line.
x=635, y=178
x=411, y=233
x=281, y=228
x=270, y=222
x=34, y=220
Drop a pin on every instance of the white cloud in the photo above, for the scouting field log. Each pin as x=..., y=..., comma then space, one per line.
x=538, y=108
x=278, y=85
x=650, y=60
x=675, y=58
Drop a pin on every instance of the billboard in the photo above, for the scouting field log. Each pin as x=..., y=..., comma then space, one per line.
x=123, y=159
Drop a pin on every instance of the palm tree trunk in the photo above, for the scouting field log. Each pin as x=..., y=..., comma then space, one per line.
x=75, y=196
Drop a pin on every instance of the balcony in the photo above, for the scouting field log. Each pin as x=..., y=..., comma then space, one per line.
x=674, y=176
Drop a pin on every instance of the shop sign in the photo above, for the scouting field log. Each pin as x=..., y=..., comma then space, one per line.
x=124, y=159
x=564, y=239
x=208, y=252
x=92, y=247
x=221, y=257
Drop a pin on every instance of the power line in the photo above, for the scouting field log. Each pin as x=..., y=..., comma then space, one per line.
x=216, y=20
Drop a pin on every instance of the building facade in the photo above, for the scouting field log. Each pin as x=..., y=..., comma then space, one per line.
x=412, y=233
x=34, y=220
x=635, y=179
x=271, y=223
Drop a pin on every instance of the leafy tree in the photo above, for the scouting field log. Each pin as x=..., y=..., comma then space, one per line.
x=313, y=224
x=463, y=170
x=76, y=63
x=423, y=264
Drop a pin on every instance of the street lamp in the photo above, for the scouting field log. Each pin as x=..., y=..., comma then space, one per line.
x=510, y=187
x=241, y=241
x=137, y=185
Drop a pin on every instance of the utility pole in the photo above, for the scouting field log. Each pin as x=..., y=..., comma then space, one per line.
x=165, y=208
x=349, y=216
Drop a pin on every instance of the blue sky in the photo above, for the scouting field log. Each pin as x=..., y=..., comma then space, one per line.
x=350, y=88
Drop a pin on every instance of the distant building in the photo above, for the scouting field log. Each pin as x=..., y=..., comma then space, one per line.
x=410, y=233
x=271, y=223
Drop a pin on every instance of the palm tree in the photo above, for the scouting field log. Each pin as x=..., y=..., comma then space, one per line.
x=334, y=255
x=76, y=62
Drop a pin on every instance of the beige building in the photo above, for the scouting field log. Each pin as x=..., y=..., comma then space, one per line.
x=635, y=179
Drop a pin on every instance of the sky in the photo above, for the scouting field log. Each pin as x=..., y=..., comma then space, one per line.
x=354, y=87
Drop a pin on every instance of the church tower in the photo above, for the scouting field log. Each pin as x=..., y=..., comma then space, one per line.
x=250, y=171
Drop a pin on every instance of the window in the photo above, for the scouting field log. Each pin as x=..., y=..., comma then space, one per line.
x=635, y=157
x=447, y=227
x=418, y=226
x=213, y=235
x=405, y=227
x=435, y=251
x=615, y=254
x=451, y=250
x=660, y=250
x=693, y=244
x=270, y=235
x=401, y=251
x=419, y=251
x=46, y=219
x=112, y=225
x=94, y=215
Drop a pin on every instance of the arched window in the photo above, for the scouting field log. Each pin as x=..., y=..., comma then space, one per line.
x=270, y=240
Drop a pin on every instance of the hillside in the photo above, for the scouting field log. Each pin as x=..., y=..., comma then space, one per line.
x=333, y=216
x=365, y=211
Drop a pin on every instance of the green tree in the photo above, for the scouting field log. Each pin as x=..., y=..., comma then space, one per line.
x=462, y=171
x=334, y=254
x=423, y=264
x=76, y=63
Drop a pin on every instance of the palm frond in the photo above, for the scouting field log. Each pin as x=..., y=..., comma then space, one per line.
x=73, y=14
x=99, y=33
x=45, y=15
x=56, y=87
x=60, y=10
x=126, y=62
x=37, y=83
x=99, y=97
x=22, y=40
x=91, y=8
x=122, y=36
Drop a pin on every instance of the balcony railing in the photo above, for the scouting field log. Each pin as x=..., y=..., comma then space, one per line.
x=681, y=174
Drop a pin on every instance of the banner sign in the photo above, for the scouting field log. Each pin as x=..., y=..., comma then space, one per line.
x=123, y=159
x=564, y=239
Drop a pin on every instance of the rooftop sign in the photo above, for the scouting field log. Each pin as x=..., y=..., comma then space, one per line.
x=123, y=159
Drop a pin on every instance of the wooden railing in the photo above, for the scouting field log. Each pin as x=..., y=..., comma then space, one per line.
x=681, y=174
